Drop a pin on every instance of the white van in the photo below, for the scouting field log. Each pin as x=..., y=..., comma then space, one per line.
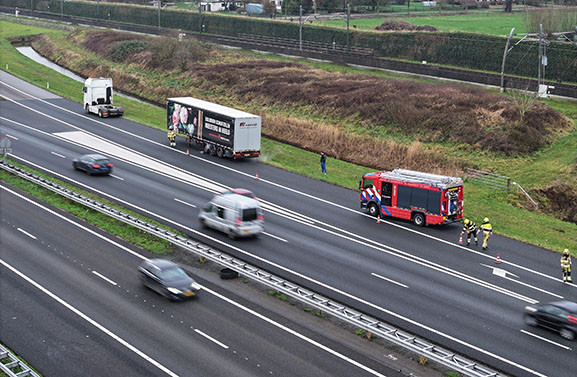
x=236, y=215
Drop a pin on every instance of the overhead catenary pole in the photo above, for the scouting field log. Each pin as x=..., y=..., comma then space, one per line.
x=301, y=27
x=504, y=58
x=61, y=8
x=540, y=57
x=159, y=2
x=348, y=19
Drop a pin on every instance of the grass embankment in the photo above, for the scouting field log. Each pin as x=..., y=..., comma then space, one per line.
x=479, y=22
x=507, y=218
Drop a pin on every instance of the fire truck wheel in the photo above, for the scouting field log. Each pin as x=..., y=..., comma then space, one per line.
x=419, y=219
x=373, y=210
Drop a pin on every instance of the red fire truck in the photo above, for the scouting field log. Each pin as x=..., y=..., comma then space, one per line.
x=411, y=195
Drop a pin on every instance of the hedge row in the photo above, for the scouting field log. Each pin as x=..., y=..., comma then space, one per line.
x=474, y=51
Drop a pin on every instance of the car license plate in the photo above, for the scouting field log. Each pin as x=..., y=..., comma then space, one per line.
x=188, y=293
x=244, y=231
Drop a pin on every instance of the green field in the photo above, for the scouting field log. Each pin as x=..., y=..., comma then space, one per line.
x=507, y=217
x=482, y=22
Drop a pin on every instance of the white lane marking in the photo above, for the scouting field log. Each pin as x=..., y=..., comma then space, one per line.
x=346, y=294
x=117, y=177
x=139, y=159
x=90, y=320
x=26, y=233
x=389, y=280
x=186, y=203
x=211, y=338
x=296, y=334
x=273, y=236
x=546, y=340
x=226, y=299
x=503, y=273
x=12, y=137
x=325, y=228
x=104, y=277
x=58, y=154
x=310, y=196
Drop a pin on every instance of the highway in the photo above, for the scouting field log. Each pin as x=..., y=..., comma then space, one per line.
x=73, y=304
x=418, y=279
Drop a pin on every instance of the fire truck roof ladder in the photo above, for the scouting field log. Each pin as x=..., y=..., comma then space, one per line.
x=434, y=180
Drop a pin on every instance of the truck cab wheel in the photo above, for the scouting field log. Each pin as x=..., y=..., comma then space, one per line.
x=100, y=113
x=419, y=219
x=219, y=152
x=373, y=210
x=86, y=109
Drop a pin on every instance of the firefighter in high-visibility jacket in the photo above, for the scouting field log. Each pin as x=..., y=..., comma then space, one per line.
x=487, y=231
x=172, y=136
x=471, y=229
x=566, y=266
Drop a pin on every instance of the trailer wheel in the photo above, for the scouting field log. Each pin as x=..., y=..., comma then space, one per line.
x=220, y=152
x=419, y=219
x=373, y=210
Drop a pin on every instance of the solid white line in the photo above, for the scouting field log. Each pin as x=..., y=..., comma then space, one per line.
x=294, y=333
x=530, y=286
x=310, y=196
x=211, y=339
x=273, y=236
x=90, y=320
x=74, y=223
x=58, y=154
x=26, y=233
x=117, y=177
x=12, y=137
x=104, y=277
x=389, y=280
x=282, y=267
x=183, y=202
x=546, y=340
x=250, y=311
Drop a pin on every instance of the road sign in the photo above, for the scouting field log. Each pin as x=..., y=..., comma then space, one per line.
x=5, y=143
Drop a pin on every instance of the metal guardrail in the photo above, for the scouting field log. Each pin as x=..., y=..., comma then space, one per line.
x=316, y=46
x=404, y=339
x=496, y=181
x=14, y=363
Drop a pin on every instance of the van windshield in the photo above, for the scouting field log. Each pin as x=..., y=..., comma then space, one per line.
x=249, y=214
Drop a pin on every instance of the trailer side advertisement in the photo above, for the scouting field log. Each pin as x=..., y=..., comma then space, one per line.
x=200, y=124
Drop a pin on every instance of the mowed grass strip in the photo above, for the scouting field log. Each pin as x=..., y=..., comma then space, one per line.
x=507, y=219
x=115, y=227
x=482, y=22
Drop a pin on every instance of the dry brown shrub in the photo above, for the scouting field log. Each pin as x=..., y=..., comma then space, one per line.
x=559, y=199
x=376, y=153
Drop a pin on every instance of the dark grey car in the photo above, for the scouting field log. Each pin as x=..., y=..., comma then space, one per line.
x=560, y=316
x=166, y=278
x=93, y=164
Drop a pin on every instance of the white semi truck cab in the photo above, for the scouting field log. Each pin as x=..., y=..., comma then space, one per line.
x=98, y=95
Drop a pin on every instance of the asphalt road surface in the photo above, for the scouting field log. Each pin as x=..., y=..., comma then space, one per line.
x=72, y=304
x=418, y=279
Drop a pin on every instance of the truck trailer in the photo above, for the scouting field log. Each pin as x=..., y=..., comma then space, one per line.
x=98, y=94
x=218, y=129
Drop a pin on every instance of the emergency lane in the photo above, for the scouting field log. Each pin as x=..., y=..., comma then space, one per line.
x=340, y=256
x=89, y=285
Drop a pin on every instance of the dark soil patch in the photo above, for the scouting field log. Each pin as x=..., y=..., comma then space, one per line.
x=559, y=200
